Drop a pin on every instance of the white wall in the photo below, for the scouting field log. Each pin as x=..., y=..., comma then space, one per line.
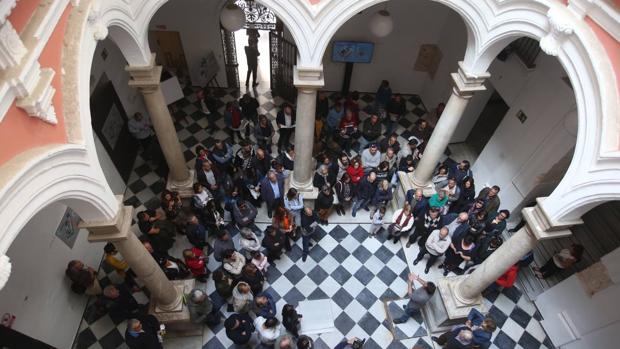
x=452, y=42
x=131, y=99
x=198, y=23
x=518, y=154
x=37, y=292
x=595, y=320
x=416, y=22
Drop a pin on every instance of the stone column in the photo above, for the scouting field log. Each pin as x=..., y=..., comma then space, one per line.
x=307, y=81
x=465, y=85
x=164, y=293
x=147, y=80
x=459, y=294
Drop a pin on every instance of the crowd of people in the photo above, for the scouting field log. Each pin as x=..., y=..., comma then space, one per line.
x=456, y=223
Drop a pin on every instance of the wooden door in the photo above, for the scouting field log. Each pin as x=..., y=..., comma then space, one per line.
x=170, y=52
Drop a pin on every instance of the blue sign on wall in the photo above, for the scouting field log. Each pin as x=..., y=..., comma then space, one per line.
x=353, y=52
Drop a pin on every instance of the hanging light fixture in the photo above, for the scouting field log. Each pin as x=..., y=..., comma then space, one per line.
x=232, y=17
x=381, y=23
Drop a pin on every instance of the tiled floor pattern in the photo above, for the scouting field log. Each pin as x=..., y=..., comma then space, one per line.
x=354, y=271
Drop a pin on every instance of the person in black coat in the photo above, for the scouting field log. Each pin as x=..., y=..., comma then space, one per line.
x=142, y=333
x=272, y=191
x=308, y=224
x=323, y=204
x=273, y=242
x=120, y=303
x=239, y=328
x=286, y=125
x=290, y=319
x=424, y=224
x=249, y=106
x=196, y=232
x=287, y=158
x=365, y=192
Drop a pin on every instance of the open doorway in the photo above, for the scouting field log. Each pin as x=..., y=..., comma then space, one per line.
x=170, y=54
x=244, y=49
x=488, y=121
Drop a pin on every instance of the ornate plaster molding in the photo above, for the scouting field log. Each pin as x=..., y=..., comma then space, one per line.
x=146, y=78
x=6, y=6
x=466, y=83
x=95, y=20
x=5, y=270
x=601, y=12
x=560, y=27
x=39, y=102
x=12, y=49
x=308, y=78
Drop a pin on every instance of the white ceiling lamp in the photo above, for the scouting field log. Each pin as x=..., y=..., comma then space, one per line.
x=232, y=17
x=381, y=23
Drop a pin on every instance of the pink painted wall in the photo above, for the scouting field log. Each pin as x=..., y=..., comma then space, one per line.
x=23, y=131
x=22, y=12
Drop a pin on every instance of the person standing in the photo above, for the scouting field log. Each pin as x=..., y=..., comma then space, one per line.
x=141, y=129
x=564, y=259
x=308, y=224
x=323, y=203
x=272, y=191
x=417, y=298
x=239, y=328
x=286, y=124
x=251, y=55
x=436, y=245
x=143, y=333
x=199, y=306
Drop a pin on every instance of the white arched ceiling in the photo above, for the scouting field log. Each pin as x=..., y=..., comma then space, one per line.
x=593, y=176
x=73, y=173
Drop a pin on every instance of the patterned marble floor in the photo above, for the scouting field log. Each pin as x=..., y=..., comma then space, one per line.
x=354, y=271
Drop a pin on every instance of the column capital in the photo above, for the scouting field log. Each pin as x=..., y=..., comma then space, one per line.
x=466, y=83
x=308, y=79
x=146, y=78
x=116, y=229
x=541, y=227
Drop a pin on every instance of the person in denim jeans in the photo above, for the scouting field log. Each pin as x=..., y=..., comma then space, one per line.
x=365, y=192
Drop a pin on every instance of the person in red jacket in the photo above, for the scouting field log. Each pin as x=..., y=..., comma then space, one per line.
x=348, y=130
x=196, y=262
x=507, y=280
x=356, y=172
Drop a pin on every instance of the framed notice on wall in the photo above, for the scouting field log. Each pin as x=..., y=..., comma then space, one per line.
x=68, y=230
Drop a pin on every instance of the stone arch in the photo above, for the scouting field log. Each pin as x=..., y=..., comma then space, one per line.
x=61, y=174
x=593, y=175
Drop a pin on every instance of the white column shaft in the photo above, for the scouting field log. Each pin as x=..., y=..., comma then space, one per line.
x=147, y=270
x=440, y=138
x=511, y=251
x=304, y=139
x=166, y=133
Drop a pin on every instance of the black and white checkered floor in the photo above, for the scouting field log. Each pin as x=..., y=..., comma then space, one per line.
x=356, y=272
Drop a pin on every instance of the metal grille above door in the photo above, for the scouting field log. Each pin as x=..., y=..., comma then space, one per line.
x=283, y=55
x=230, y=58
x=257, y=16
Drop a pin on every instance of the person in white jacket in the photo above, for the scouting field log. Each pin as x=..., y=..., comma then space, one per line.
x=436, y=245
x=233, y=262
x=249, y=242
x=402, y=221
x=243, y=299
x=268, y=329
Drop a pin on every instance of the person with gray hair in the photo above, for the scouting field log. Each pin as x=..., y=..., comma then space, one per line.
x=272, y=191
x=119, y=302
x=323, y=177
x=199, y=306
x=249, y=242
x=457, y=338
x=143, y=333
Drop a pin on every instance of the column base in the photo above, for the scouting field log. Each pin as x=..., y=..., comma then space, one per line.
x=308, y=191
x=184, y=188
x=408, y=181
x=449, y=309
x=176, y=316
